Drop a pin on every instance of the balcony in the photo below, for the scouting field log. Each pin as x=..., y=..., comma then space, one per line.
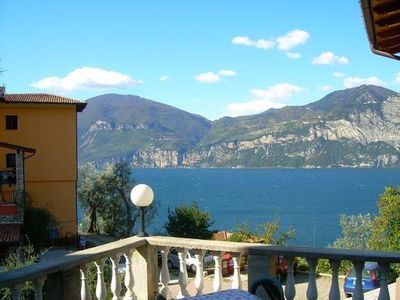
x=67, y=275
x=7, y=178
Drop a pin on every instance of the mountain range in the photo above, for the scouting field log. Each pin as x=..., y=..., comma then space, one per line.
x=357, y=127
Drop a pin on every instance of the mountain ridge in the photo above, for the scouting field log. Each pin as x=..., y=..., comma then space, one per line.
x=354, y=127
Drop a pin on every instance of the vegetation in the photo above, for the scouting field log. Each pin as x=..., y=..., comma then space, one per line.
x=267, y=233
x=356, y=232
x=381, y=233
x=37, y=223
x=189, y=221
x=104, y=195
x=21, y=257
x=386, y=232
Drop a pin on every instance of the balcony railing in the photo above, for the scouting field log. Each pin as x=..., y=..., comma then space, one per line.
x=67, y=275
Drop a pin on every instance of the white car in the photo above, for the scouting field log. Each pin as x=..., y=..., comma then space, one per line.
x=191, y=261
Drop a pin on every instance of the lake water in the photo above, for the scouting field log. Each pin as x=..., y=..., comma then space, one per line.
x=309, y=200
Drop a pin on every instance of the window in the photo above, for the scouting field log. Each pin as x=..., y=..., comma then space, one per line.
x=11, y=122
x=10, y=160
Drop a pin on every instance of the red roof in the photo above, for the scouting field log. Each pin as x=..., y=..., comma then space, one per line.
x=41, y=99
x=10, y=233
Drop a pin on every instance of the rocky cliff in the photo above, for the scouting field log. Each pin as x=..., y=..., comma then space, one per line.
x=351, y=128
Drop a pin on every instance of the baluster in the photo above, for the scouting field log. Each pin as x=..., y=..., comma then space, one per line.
x=115, y=284
x=236, y=280
x=164, y=274
x=217, y=274
x=85, y=292
x=198, y=281
x=38, y=287
x=100, y=286
x=183, y=277
x=129, y=280
x=16, y=291
x=290, y=289
x=358, y=290
x=312, y=292
x=384, y=271
x=334, y=293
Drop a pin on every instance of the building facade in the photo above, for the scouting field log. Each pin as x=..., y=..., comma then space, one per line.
x=46, y=124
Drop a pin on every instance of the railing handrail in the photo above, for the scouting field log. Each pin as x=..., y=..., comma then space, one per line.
x=69, y=261
x=7, y=171
x=263, y=249
x=80, y=258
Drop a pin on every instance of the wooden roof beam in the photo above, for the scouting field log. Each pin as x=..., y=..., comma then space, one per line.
x=387, y=31
x=385, y=5
x=387, y=19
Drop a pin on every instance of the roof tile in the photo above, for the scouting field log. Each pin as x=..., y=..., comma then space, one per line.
x=41, y=98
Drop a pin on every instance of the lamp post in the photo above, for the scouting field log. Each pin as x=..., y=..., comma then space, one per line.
x=142, y=196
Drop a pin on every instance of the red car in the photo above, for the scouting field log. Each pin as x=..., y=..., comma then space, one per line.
x=282, y=267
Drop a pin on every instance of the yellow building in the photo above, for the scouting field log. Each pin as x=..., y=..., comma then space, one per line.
x=47, y=126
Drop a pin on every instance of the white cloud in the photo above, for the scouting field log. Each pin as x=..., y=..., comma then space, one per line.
x=211, y=77
x=164, y=77
x=293, y=55
x=326, y=88
x=292, y=39
x=329, y=58
x=86, y=78
x=339, y=74
x=286, y=42
x=350, y=82
x=271, y=97
x=227, y=73
x=208, y=77
x=246, y=41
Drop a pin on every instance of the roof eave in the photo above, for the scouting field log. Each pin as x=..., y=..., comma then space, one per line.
x=369, y=21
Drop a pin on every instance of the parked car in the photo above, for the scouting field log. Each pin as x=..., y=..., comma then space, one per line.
x=370, y=279
x=173, y=259
x=282, y=266
x=227, y=263
x=191, y=261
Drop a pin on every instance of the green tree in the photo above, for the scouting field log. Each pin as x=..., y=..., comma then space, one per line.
x=386, y=231
x=104, y=195
x=92, y=193
x=356, y=232
x=266, y=233
x=189, y=221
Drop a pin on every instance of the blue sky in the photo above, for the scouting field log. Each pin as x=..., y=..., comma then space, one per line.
x=212, y=58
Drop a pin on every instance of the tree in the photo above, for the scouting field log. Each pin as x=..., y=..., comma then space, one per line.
x=104, y=195
x=267, y=233
x=386, y=231
x=92, y=193
x=189, y=221
x=356, y=232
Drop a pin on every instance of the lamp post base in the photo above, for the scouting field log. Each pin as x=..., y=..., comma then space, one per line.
x=142, y=234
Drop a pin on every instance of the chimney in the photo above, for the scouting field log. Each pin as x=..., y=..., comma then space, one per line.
x=2, y=91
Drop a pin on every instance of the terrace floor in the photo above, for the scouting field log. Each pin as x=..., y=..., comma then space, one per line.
x=301, y=281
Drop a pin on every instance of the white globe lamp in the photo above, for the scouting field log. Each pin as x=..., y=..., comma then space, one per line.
x=142, y=196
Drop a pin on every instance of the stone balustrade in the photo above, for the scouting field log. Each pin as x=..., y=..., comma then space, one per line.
x=140, y=278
